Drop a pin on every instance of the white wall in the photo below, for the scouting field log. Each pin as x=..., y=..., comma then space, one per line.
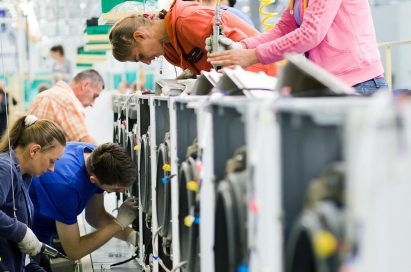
x=391, y=24
x=99, y=118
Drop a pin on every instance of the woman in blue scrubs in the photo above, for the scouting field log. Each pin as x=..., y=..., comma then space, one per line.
x=30, y=149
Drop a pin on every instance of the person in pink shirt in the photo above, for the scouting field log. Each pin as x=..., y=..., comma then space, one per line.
x=338, y=35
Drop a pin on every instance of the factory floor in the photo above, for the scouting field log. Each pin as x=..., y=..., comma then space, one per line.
x=112, y=252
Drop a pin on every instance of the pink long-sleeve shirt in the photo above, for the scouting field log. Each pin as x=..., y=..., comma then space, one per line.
x=337, y=34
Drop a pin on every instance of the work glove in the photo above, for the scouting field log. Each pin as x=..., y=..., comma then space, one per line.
x=132, y=238
x=30, y=244
x=127, y=212
x=224, y=43
x=186, y=74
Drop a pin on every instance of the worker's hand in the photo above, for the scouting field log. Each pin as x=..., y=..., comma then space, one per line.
x=224, y=43
x=186, y=74
x=230, y=58
x=30, y=244
x=132, y=238
x=127, y=212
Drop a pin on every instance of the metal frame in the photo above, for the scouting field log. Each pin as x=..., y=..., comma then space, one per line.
x=265, y=213
x=175, y=163
x=206, y=131
x=387, y=46
x=153, y=141
x=140, y=214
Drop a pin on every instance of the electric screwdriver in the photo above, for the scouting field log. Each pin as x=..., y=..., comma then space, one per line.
x=217, y=32
x=51, y=252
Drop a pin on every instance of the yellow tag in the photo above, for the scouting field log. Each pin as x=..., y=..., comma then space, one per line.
x=192, y=185
x=136, y=148
x=325, y=244
x=188, y=220
x=166, y=167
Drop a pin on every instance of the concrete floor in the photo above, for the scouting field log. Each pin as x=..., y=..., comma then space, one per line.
x=112, y=252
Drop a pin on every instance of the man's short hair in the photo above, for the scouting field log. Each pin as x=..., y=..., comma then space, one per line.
x=58, y=48
x=232, y=3
x=111, y=165
x=89, y=74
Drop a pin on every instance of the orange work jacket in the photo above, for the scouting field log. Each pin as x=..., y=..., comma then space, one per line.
x=188, y=24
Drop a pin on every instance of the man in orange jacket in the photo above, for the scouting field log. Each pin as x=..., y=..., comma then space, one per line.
x=179, y=35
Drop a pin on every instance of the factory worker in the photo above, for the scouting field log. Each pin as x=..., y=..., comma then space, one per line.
x=179, y=35
x=79, y=179
x=65, y=104
x=338, y=35
x=61, y=69
x=34, y=147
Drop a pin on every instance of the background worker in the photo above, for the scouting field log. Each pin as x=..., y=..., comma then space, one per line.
x=65, y=104
x=35, y=147
x=81, y=175
x=179, y=35
x=338, y=35
x=61, y=68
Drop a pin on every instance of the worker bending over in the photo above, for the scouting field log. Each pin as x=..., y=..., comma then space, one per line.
x=337, y=35
x=80, y=177
x=179, y=35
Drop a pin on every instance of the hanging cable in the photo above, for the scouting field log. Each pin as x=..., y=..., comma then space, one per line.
x=156, y=256
x=267, y=15
x=7, y=97
x=125, y=261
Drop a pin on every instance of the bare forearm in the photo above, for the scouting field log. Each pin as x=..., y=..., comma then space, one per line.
x=105, y=219
x=92, y=241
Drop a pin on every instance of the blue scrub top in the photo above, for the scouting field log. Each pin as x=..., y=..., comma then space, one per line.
x=63, y=194
x=12, y=230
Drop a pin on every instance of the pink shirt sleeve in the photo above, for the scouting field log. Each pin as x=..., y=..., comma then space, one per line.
x=317, y=20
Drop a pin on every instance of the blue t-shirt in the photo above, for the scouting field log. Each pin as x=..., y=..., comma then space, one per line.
x=63, y=194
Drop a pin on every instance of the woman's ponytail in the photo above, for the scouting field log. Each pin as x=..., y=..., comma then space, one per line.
x=27, y=129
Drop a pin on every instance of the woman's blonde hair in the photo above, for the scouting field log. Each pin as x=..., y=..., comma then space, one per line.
x=42, y=132
x=121, y=34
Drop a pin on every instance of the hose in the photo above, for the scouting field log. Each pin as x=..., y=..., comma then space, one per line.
x=230, y=230
x=163, y=189
x=313, y=242
x=230, y=241
x=188, y=212
x=314, y=239
x=267, y=15
x=123, y=135
x=189, y=209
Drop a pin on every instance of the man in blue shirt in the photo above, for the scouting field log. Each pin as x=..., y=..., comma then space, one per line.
x=80, y=177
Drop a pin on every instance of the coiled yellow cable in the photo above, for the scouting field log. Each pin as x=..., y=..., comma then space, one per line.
x=267, y=15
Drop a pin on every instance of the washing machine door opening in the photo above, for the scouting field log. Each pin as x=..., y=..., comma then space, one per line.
x=145, y=174
x=188, y=211
x=230, y=241
x=163, y=191
x=316, y=234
